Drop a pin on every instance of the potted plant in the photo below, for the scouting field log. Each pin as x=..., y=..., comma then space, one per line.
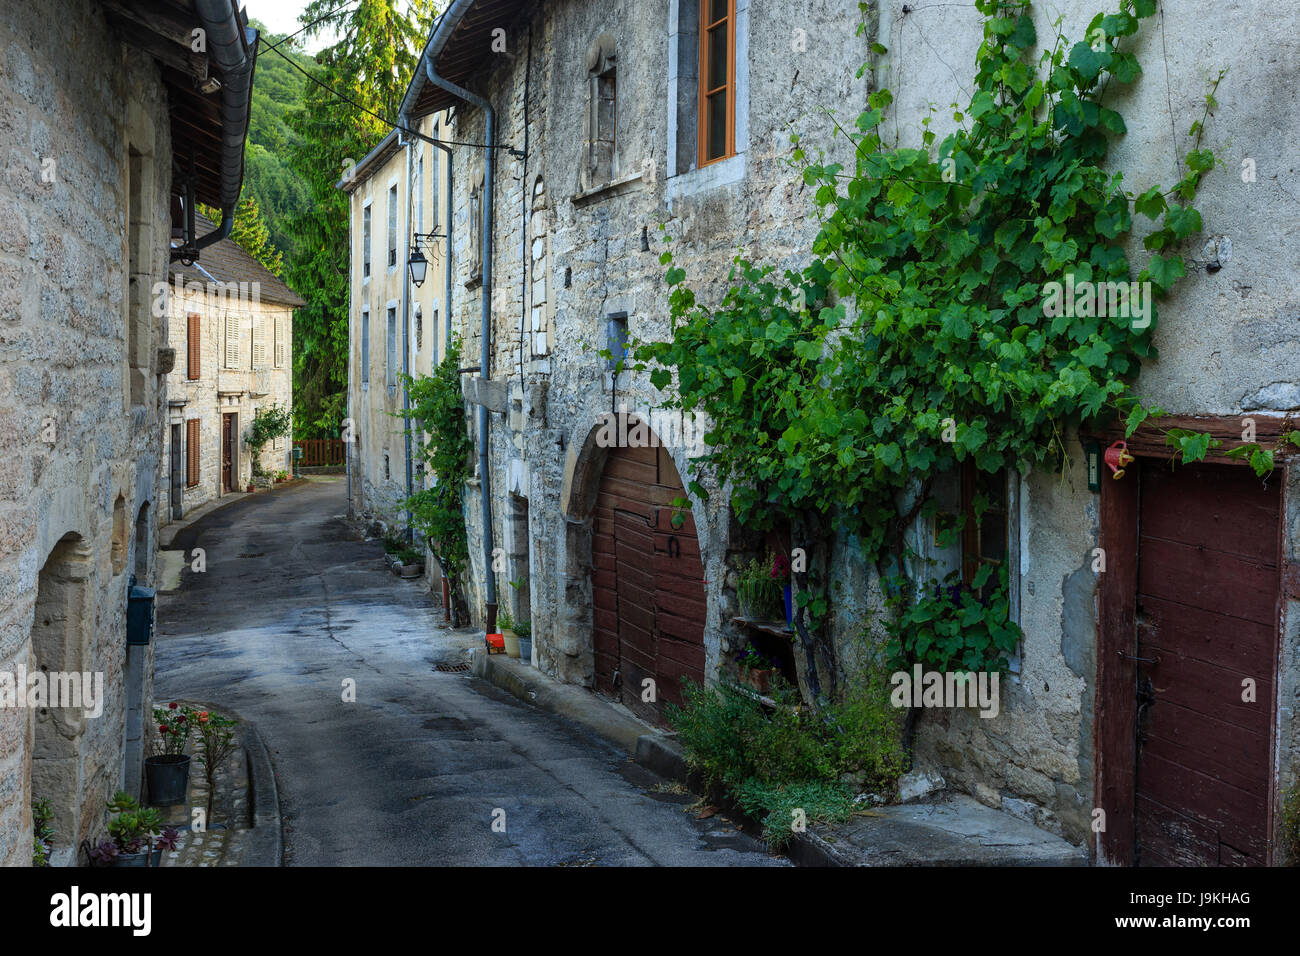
x=524, y=631
x=412, y=566
x=216, y=736
x=757, y=669
x=780, y=575
x=136, y=836
x=167, y=771
x=759, y=593
x=506, y=627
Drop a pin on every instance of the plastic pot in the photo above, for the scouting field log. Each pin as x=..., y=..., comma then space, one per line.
x=139, y=858
x=168, y=779
x=512, y=643
x=526, y=650
x=788, y=598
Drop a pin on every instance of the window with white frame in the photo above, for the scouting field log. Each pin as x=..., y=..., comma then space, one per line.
x=232, y=340
x=365, y=348
x=392, y=226
x=281, y=341
x=365, y=241
x=392, y=347
x=418, y=188
x=259, y=342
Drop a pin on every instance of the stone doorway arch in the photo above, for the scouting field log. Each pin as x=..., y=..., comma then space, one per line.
x=62, y=629
x=634, y=608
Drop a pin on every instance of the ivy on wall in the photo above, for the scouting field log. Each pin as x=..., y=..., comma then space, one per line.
x=440, y=439
x=932, y=326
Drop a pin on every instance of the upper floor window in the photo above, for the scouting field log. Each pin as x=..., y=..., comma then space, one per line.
x=232, y=340
x=193, y=346
x=259, y=341
x=392, y=226
x=717, y=126
x=602, y=101
x=433, y=181
x=365, y=348
x=476, y=225
x=365, y=242
x=391, y=350
x=418, y=188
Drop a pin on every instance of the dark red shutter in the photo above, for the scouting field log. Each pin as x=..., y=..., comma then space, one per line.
x=193, y=346
x=192, y=452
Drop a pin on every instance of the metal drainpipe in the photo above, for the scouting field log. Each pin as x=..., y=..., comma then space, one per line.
x=406, y=336
x=485, y=336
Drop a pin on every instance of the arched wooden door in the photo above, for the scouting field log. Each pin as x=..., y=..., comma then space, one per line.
x=648, y=583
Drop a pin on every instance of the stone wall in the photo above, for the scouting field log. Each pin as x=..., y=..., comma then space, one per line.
x=586, y=238
x=1228, y=338
x=78, y=355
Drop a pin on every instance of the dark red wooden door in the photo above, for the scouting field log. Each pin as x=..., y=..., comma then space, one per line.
x=648, y=584
x=1207, y=607
x=227, y=452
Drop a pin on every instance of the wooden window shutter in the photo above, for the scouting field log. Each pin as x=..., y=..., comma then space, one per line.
x=259, y=342
x=279, y=343
x=232, y=340
x=193, y=347
x=191, y=452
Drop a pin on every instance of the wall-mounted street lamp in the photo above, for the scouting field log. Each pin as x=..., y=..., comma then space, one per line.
x=416, y=261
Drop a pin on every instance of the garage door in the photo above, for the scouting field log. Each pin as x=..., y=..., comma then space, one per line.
x=648, y=584
x=1207, y=606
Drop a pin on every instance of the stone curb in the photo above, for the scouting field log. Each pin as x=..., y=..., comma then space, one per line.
x=650, y=748
x=265, y=843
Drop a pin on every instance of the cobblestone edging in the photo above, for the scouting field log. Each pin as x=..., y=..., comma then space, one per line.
x=244, y=826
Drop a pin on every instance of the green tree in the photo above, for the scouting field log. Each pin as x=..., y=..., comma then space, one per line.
x=251, y=234
x=376, y=54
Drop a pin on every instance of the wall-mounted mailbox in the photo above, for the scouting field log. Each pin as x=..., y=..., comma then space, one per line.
x=139, y=614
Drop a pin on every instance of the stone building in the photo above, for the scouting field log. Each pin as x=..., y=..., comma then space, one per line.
x=99, y=104
x=231, y=323
x=396, y=191
x=597, y=130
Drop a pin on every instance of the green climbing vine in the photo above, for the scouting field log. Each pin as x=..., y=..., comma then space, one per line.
x=932, y=324
x=440, y=439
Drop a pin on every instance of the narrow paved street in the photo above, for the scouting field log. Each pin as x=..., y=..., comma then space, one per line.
x=291, y=605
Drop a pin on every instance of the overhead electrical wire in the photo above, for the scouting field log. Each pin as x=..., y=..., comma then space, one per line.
x=355, y=105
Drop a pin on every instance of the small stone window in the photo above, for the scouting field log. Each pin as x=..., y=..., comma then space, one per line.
x=616, y=338
x=540, y=270
x=602, y=112
x=118, y=546
x=476, y=225
x=984, y=532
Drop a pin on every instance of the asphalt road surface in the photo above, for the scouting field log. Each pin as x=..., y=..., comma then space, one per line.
x=415, y=771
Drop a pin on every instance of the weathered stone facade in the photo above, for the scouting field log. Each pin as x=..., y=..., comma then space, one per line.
x=89, y=123
x=81, y=396
x=377, y=337
x=593, y=248
x=244, y=363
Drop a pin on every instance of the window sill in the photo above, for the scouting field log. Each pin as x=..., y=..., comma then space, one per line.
x=615, y=187
x=704, y=178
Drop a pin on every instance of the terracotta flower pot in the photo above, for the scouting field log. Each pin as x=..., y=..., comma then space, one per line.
x=761, y=679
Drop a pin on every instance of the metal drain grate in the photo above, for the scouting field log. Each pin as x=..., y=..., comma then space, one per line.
x=458, y=668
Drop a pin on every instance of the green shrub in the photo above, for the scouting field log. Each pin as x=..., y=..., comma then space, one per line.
x=776, y=806
x=1290, y=826
x=771, y=763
